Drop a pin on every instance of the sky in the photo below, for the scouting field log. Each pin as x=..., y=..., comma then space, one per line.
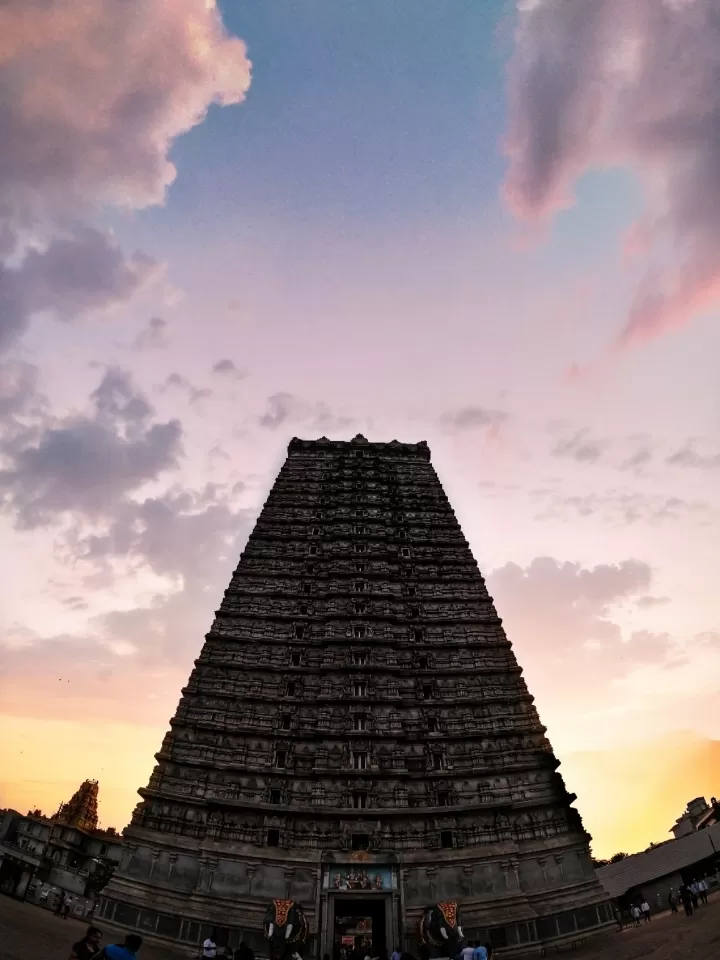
x=493, y=226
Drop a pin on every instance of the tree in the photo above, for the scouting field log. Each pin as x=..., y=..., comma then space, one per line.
x=617, y=857
x=100, y=877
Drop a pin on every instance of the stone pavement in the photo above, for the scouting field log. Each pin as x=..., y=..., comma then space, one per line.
x=31, y=933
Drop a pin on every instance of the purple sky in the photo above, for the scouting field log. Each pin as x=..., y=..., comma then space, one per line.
x=495, y=230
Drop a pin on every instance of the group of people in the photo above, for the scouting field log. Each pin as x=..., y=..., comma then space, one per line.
x=640, y=911
x=211, y=950
x=89, y=948
x=475, y=950
x=691, y=895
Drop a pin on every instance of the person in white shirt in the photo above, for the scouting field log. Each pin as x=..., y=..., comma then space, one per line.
x=467, y=952
x=645, y=910
x=210, y=947
x=635, y=911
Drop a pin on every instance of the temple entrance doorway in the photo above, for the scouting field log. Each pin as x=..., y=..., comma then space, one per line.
x=360, y=926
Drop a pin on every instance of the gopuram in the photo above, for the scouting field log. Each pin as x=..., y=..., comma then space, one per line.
x=356, y=757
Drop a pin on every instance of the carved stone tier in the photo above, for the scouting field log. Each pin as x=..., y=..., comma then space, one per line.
x=356, y=697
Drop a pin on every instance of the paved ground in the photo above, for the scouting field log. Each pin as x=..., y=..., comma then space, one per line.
x=29, y=932
x=33, y=933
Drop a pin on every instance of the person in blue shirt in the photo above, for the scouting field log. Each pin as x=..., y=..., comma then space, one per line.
x=122, y=951
x=480, y=952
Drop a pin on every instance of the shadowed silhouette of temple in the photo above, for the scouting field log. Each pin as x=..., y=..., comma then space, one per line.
x=356, y=737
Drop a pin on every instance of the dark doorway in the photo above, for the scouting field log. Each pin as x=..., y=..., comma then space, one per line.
x=359, y=927
x=10, y=875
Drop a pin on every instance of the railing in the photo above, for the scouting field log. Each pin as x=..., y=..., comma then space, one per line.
x=14, y=849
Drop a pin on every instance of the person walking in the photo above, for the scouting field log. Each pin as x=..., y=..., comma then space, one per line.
x=672, y=901
x=88, y=947
x=635, y=913
x=645, y=910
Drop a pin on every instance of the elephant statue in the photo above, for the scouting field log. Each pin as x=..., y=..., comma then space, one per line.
x=285, y=927
x=440, y=930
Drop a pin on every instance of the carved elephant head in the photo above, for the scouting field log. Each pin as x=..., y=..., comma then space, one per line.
x=286, y=928
x=440, y=928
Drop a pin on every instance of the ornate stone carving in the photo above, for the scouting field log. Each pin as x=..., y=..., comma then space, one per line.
x=355, y=682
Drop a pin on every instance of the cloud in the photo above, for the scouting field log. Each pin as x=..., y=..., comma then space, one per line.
x=650, y=601
x=226, y=368
x=580, y=447
x=18, y=390
x=96, y=93
x=177, y=534
x=622, y=507
x=85, y=462
x=687, y=456
x=285, y=408
x=194, y=394
x=141, y=655
x=638, y=458
x=152, y=337
x=562, y=620
x=470, y=418
x=589, y=87
x=75, y=274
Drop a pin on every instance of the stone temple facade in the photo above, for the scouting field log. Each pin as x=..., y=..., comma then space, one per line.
x=357, y=736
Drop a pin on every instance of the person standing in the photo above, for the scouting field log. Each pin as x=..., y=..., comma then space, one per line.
x=480, y=952
x=210, y=946
x=396, y=955
x=645, y=910
x=635, y=912
x=86, y=948
x=672, y=901
x=244, y=952
x=686, y=897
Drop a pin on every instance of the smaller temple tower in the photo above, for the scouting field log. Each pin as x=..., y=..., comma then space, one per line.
x=81, y=810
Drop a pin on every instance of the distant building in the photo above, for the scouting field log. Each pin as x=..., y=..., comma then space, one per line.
x=60, y=853
x=698, y=815
x=655, y=872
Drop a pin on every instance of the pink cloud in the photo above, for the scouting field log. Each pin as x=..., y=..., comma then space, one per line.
x=96, y=92
x=595, y=83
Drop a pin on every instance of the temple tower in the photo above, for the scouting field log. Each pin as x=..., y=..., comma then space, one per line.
x=357, y=736
x=81, y=810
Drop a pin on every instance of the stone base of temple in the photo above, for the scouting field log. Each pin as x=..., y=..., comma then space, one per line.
x=530, y=938
x=512, y=900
